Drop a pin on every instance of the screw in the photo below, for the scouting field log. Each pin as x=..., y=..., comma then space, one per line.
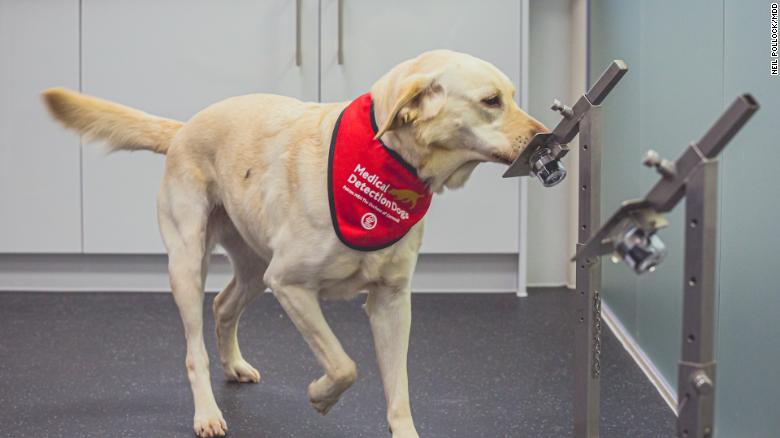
x=565, y=111
x=664, y=167
x=702, y=383
x=651, y=158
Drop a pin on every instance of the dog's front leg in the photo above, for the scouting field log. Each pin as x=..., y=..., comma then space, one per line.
x=390, y=313
x=303, y=307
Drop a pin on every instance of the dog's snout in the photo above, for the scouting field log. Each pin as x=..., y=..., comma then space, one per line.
x=538, y=128
x=531, y=127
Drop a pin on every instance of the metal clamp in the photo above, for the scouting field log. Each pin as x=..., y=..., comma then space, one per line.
x=569, y=127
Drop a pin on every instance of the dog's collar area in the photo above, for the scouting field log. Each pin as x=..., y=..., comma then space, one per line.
x=375, y=196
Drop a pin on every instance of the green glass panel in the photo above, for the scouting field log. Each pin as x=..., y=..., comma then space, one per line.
x=688, y=61
x=680, y=95
x=748, y=350
x=614, y=35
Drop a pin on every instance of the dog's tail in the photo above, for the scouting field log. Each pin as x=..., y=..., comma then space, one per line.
x=123, y=128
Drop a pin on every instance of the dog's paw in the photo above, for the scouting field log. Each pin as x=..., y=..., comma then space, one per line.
x=405, y=433
x=326, y=391
x=323, y=406
x=241, y=371
x=210, y=426
x=404, y=429
x=323, y=395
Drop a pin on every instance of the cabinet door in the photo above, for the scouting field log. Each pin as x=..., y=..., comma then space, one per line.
x=172, y=59
x=39, y=161
x=483, y=216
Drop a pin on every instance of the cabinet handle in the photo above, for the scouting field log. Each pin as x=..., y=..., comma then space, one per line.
x=298, y=55
x=340, y=53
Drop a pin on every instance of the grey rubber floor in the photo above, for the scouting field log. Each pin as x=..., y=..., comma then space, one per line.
x=112, y=365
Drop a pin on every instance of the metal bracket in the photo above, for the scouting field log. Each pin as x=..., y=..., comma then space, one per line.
x=669, y=190
x=568, y=128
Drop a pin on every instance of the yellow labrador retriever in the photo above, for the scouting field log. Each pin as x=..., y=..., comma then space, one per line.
x=250, y=174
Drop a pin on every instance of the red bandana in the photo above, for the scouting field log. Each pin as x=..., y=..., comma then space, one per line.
x=375, y=196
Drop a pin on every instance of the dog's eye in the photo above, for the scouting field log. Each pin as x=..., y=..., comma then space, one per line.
x=492, y=101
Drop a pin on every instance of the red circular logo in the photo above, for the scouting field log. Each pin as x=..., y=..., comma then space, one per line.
x=368, y=221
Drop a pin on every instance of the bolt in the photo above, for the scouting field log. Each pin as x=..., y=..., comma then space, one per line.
x=664, y=167
x=702, y=383
x=651, y=159
x=565, y=111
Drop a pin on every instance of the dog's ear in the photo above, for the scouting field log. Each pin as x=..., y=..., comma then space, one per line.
x=418, y=98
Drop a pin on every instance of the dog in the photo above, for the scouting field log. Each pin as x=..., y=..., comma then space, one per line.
x=249, y=173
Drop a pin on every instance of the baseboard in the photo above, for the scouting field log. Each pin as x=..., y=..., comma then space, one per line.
x=549, y=284
x=452, y=273
x=664, y=388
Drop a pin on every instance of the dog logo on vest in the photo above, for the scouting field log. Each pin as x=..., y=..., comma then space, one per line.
x=368, y=221
x=406, y=196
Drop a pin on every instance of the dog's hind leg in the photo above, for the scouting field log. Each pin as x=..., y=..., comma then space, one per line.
x=183, y=210
x=246, y=285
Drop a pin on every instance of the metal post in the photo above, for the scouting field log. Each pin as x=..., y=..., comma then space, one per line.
x=587, y=338
x=696, y=378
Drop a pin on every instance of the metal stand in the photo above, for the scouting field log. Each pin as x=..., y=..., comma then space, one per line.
x=541, y=158
x=630, y=235
x=587, y=332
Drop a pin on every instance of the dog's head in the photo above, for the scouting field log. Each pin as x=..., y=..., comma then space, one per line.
x=445, y=112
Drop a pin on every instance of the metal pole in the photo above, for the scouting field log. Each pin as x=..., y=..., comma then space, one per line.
x=696, y=378
x=587, y=337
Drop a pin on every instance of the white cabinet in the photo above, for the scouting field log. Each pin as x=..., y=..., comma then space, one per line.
x=39, y=162
x=173, y=58
x=376, y=35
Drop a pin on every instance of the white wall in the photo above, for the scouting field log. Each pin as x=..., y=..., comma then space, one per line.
x=556, y=62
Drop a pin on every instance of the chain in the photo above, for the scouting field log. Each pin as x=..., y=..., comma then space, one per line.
x=596, y=334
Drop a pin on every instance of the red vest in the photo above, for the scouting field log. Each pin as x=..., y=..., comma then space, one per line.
x=375, y=196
